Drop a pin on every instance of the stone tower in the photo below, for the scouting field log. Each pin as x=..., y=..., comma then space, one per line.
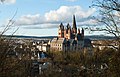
x=68, y=31
x=61, y=31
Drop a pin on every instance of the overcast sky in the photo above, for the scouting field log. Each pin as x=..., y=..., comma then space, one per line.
x=42, y=17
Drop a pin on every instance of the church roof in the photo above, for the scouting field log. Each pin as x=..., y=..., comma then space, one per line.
x=68, y=26
x=61, y=26
x=87, y=42
x=79, y=36
x=72, y=41
x=58, y=40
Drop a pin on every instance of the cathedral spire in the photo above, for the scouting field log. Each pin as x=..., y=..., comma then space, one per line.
x=74, y=22
x=74, y=28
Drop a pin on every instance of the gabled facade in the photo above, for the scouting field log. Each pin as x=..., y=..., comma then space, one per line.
x=58, y=44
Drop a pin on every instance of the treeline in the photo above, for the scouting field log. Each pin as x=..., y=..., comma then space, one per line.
x=103, y=63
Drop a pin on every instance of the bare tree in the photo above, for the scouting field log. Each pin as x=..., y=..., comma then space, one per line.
x=109, y=16
x=11, y=65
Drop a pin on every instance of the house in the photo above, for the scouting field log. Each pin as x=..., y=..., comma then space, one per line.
x=43, y=47
x=102, y=44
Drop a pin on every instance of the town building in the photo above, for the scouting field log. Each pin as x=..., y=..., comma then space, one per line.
x=103, y=44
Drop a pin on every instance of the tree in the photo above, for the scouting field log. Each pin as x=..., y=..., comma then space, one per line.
x=109, y=15
x=10, y=64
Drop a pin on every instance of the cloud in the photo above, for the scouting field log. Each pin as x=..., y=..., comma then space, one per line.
x=30, y=20
x=42, y=26
x=52, y=18
x=64, y=13
x=8, y=1
x=89, y=22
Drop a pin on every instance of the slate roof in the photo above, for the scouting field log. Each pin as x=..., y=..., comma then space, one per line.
x=87, y=42
x=72, y=41
x=58, y=40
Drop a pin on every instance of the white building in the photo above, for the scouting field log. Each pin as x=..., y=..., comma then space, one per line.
x=43, y=47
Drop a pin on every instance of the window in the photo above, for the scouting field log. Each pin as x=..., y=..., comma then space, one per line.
x=59, y=33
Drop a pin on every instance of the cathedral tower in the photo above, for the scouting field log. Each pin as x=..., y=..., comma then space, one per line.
x=69, y=31
x=61, y=31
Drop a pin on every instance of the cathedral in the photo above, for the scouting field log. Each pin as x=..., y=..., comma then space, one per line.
x=70, y=33
x=69, y=39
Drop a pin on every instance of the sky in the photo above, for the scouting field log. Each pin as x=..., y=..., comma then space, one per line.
x=43, y=17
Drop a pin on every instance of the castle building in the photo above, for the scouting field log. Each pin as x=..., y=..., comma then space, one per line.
x=69, y=39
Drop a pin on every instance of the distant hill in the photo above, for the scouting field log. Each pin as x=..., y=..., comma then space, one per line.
x=93, y=37
x=99, y=37
x=31, y=37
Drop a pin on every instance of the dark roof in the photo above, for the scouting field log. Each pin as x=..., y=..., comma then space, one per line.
x=61, y=26
x=43, y=54
x=87, y=42
x=72, y=41
x=58, y=40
